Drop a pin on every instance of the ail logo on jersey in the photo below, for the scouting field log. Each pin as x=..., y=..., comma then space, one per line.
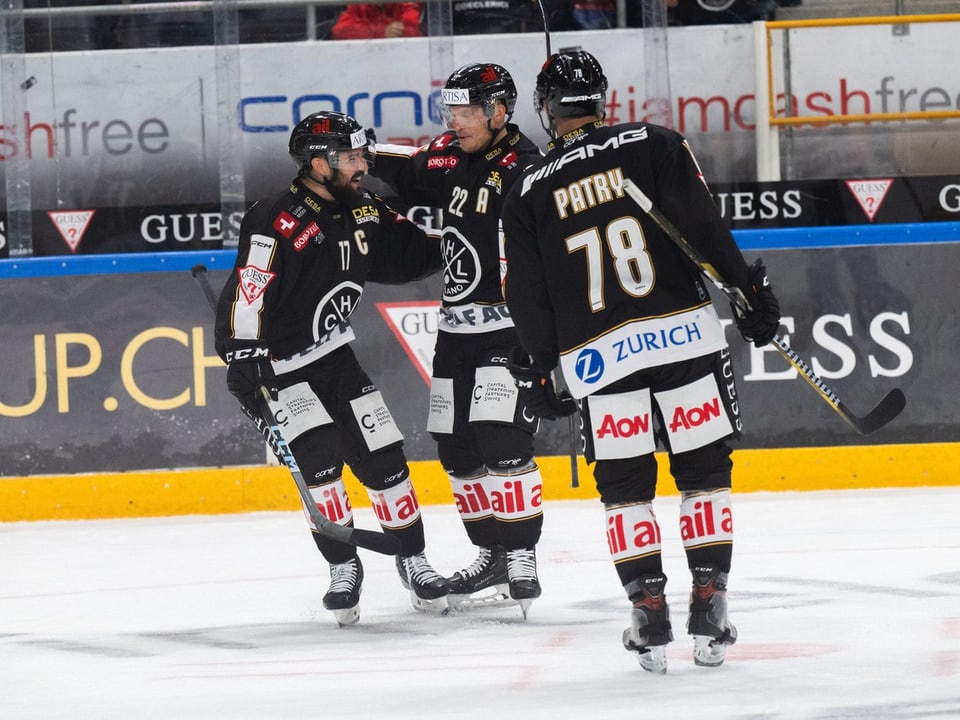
x=285, y=224
x=442, y=162
x=706, y=522
x=632, y=531
x=870, y=194
x=333, y=502
x=303, y=238
x=254, y=282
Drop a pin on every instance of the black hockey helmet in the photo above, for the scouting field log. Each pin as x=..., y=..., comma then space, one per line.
x=483, y=84
x=326, y=133
x=571, y=83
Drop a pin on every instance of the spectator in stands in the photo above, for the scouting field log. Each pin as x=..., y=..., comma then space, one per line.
x=719, y=12
x=481, y=17
x=595, y=14
x=389, y=20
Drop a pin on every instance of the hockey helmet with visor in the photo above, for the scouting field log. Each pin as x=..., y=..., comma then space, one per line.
x=327, y=134
x=482, y=84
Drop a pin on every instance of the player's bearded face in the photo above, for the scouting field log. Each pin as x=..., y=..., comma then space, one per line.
x=345, y=183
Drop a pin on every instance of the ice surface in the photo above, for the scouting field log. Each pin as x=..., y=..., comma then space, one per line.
x=847, y=605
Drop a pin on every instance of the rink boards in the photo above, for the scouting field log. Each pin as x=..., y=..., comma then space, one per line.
x=113, y=402
x=261, y=488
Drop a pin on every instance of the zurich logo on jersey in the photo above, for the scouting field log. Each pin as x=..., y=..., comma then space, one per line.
x=589, y=366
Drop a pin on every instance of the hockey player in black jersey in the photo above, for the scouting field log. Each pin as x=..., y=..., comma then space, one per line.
x=484, y=436
x=594, y=285
x=283, y=321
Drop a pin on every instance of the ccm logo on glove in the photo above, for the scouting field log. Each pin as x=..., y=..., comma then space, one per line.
x=248, y=353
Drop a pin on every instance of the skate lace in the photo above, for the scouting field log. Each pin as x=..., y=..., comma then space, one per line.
x=343, y=576
x=480, y=565
x=419, y=569
x=522, y=564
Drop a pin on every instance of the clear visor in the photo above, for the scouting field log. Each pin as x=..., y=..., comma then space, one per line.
x=465, y=114
x=351, y=160
x=362, y=147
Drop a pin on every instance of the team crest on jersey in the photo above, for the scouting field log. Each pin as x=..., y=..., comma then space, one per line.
x=285, y=224
x=254, y=282
x=335, y=307
x=461, y=265
x=495, y=180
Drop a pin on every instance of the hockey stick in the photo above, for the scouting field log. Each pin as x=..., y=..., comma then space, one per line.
x=546, y=26
x=369, y=539
x=889, y=407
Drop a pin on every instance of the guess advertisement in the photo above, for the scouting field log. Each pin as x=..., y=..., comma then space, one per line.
x=784, y=204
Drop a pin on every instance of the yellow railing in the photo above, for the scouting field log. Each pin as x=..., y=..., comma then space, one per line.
x=769, y=122
x=774, y=119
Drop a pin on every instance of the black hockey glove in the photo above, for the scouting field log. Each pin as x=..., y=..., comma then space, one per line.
x=762, y=321
x=248, y=367
x=535, y=387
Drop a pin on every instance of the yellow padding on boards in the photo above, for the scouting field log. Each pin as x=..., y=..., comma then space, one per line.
x=250, y=489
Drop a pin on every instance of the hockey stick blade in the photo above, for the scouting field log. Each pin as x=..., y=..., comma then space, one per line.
x=888, y=408
x=369, y=539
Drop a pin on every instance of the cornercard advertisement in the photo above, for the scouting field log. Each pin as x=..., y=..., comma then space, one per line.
x=169, y=148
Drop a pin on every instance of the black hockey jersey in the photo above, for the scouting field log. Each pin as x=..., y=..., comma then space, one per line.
x=302, y=263
x=469, y=190
x=591, y=280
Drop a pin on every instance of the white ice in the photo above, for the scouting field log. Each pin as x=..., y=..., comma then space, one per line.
x=847, y=604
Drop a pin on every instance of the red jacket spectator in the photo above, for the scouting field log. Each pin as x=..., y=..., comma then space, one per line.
x=377, y=21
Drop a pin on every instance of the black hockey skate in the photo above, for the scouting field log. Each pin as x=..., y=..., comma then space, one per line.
x=522, y=573
x=343, y=595
x=708, y=622
x=650, y=629
x=428, y=588
x=483, y=583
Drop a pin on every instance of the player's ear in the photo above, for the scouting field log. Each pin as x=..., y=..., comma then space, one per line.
x=320, y=167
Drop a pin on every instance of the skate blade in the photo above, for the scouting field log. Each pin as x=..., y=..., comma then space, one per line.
x=525, y=606
x=495, y=596
x=651, y=658
x=654, y=660
x=346, y=617
x=435, y=606
x=707, y=652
